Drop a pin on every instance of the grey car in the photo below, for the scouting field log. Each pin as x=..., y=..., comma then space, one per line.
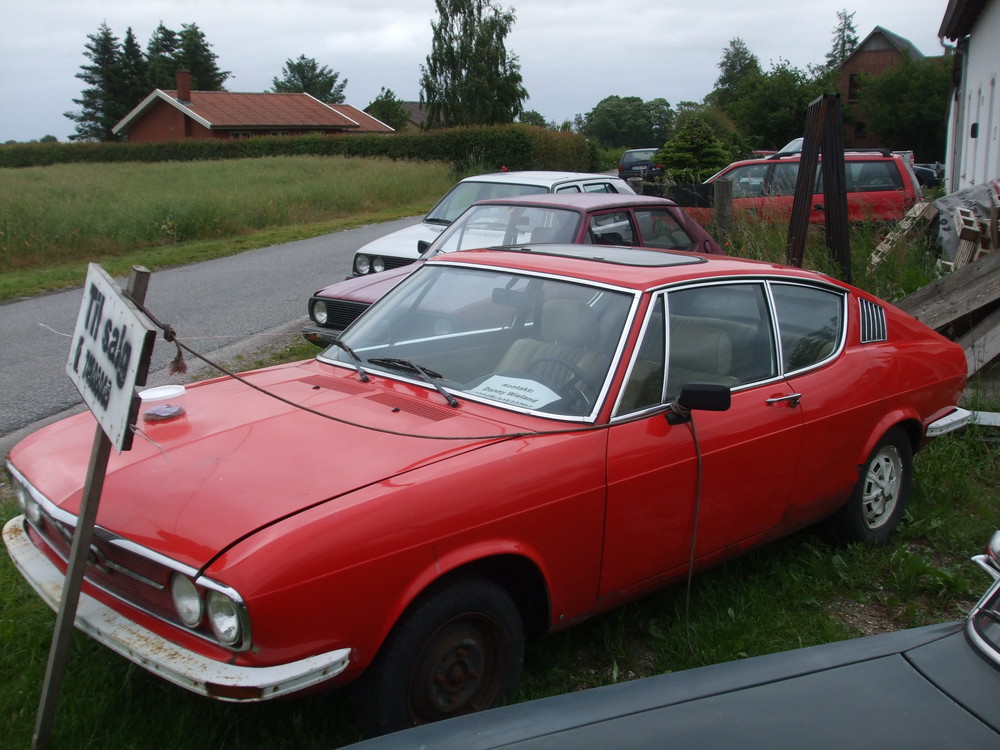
x=933, y=687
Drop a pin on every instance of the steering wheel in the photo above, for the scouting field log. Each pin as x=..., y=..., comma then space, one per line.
x=571, y=389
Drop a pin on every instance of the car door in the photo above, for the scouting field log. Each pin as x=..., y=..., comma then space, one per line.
x=658, y=491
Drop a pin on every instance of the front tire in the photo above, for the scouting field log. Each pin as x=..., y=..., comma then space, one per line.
x=456, y=651
x=879, y=500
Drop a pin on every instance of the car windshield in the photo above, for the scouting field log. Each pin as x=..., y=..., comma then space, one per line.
x=495, y=225
x=535, y=344
x=465, y=193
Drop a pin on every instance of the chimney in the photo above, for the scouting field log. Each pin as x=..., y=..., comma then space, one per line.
x=184, y=86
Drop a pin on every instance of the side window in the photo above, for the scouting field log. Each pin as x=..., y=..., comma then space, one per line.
x=872, y=176
x=719, y=333
x=810, y=323
x=598, y=187
x=645, y=382
x=659, y=228
x=568, y=189
x=748, y=181
x=613, y=228
x=783, y=178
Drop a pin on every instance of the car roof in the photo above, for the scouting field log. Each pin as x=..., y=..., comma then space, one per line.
x=626, y=267
x=539, y=177
x=582, y=201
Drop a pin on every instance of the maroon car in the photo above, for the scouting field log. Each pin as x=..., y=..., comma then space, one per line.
x=579, y=218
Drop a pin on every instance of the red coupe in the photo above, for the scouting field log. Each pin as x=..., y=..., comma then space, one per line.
x=509, y=442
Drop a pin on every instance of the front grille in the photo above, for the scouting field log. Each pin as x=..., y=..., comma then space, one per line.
x=873, y=325
x=391, y=262
x=341, y=313
x=124, y=574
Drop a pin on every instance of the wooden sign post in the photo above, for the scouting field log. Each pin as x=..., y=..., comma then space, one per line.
x=110, y=354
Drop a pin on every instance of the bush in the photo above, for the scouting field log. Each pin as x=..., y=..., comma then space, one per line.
x=512, y=146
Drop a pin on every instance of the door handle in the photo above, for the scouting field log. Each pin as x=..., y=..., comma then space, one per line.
x=792, y=399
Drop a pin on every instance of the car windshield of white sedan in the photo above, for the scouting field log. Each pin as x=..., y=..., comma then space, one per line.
x=495, y=225
x=535, y=344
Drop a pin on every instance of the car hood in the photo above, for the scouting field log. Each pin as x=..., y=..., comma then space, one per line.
x=367, y=288
x=240, y=460
x=403, y=244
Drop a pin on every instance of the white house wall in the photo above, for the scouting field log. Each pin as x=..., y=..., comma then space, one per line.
x=975, y=160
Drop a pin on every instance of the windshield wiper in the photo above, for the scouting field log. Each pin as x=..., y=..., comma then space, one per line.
x=428, y=376
x=362, y=375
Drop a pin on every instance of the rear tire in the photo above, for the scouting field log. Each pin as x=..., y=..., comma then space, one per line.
x=879, y=500
x=456, y=651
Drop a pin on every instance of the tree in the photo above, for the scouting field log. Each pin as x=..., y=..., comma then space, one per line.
x=387, y=108
x=305, y=76
x=906, y=107
x=694, y=152
x=195, y=55
x=531, y=117
x=769, y=109
x=629, y=121
x=469, y=78
x=845, y=40
x=102, y=101
x=133, y=70
x=737, y=66
x=161, y=58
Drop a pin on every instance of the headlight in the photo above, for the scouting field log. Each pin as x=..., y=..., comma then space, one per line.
x=187, y=600
x=378, y=264
x=362, y=264
x=224, y=617
x=318, y=311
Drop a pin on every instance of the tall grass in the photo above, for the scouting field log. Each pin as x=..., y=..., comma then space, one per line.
x=66, y=213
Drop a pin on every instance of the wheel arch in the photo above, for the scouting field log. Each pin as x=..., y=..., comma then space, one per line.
x=519, y=575
x=908, y=422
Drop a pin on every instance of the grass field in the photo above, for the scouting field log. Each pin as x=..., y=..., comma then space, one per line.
x=54, y=220
x=800, y=591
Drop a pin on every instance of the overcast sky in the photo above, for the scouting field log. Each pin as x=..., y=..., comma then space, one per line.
x=572, y=53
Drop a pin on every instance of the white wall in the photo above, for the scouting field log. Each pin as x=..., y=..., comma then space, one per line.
x=973, y=161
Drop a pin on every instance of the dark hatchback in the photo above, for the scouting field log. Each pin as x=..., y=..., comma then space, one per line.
x=926, y=688
x=641, y=163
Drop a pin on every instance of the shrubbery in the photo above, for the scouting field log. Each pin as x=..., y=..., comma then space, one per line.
x=512, y=146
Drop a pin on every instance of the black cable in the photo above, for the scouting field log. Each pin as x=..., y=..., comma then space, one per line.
x=694, y=537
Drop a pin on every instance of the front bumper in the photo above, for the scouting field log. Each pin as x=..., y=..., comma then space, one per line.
x=189, y=670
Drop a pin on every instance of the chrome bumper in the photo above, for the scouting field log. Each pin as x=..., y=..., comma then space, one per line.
x=949, y=423
x=188, y=669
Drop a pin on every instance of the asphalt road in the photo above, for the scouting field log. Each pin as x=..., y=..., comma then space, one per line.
x=226, y=307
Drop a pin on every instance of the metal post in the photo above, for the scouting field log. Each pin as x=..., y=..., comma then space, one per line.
x=82, y=536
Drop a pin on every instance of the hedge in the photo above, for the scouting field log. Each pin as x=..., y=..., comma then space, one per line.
x=488, y=147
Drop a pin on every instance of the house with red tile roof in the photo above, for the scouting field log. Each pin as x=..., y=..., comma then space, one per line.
x=182, y=114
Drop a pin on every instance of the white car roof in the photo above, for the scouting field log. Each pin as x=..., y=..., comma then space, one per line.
x=540, y=178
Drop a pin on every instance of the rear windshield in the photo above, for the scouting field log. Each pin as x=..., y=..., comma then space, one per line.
x=631, y=157
x=464, y=194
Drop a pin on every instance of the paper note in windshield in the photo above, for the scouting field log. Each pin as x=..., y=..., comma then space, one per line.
x=523, y=392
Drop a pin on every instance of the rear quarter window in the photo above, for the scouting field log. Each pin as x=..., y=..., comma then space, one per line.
x=872, y=176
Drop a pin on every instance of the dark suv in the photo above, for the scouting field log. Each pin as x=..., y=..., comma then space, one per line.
x=881, y=186
x=639, y=162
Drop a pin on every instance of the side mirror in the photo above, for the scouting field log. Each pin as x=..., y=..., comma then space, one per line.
x=699, y=397
x=422, y=246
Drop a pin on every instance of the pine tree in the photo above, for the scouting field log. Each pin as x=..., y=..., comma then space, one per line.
x=100, y=102
x=305, y=76
x=134, y=72
x=845, y=40
x=470, y=79
x=195, y=55
x=161, y=58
